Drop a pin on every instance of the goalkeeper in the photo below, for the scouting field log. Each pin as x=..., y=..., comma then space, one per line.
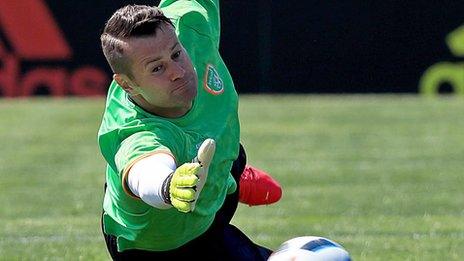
x=170, y=135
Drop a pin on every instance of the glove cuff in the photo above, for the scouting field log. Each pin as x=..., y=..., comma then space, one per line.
x=165, y=189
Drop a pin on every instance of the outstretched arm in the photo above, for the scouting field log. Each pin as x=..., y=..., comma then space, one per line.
x=199, y=16
x=156, y=180
x=145, y=178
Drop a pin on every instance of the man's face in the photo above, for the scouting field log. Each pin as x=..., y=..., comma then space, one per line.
x=162, y=72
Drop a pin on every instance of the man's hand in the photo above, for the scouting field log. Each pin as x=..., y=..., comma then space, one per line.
x=183, y=187
x=186, y=183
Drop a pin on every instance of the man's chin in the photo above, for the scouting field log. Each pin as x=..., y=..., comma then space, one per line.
x=188, y=96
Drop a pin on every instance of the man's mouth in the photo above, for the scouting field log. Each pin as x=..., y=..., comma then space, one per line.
x=181, y=86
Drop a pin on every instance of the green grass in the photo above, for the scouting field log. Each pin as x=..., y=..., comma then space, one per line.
x=382, y=175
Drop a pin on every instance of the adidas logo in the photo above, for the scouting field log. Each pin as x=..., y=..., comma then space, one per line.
x=446, y=72
x=29, y=35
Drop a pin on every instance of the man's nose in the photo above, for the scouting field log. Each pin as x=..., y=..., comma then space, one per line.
x=176, y=72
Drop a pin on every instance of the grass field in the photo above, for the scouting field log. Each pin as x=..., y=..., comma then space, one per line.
x=382, y=175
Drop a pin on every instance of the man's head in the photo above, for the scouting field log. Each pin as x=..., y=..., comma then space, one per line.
x=148, y=60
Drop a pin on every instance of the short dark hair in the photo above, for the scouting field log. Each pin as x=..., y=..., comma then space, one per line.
x=128, y=21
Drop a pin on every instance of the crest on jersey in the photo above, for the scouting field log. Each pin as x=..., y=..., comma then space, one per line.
x=212, y=82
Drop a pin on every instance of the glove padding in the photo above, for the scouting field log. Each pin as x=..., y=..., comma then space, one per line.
x=188, y=180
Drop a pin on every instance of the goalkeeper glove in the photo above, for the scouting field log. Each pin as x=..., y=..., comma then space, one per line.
x=182, y=188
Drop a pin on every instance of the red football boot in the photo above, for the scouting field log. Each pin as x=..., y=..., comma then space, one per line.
x=258, y=188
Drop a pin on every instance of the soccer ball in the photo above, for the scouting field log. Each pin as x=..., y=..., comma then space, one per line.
x=310, y=248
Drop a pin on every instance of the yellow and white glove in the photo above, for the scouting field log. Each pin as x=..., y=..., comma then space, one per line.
x=182, y=188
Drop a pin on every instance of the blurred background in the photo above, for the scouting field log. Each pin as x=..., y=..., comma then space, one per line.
x=331, y=104
x=270, y=46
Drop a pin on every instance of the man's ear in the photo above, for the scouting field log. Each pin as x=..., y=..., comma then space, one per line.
x=126, y=83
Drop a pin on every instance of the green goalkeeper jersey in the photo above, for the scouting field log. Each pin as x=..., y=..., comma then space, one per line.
x=128, y=133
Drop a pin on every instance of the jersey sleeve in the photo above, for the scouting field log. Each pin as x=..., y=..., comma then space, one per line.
x=136, y=147
x=194, y=16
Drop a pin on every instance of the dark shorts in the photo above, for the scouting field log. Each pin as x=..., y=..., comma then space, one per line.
x=222, y=241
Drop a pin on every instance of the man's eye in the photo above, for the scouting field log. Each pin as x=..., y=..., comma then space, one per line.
x=157, y=68
x=176, y=55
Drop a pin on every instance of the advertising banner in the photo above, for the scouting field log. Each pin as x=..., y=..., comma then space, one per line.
x=53, y=47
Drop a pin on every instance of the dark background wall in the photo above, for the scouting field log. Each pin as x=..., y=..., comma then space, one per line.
x=292, y=46
x=338, y=46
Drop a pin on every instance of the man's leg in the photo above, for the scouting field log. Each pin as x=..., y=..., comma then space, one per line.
x=237, y=244
x=240, y=247
x=229, y=207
